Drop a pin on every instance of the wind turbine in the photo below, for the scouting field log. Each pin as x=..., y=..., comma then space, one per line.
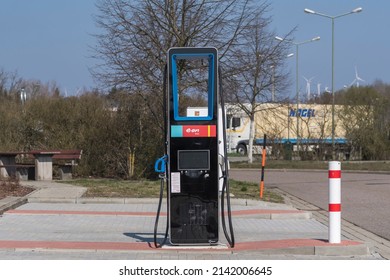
x=78, y=90
x=357, y=79
x=308, y=81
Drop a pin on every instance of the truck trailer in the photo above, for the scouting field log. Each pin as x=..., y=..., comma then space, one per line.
x=307, y=128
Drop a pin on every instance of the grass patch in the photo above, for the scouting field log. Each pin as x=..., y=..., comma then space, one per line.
x=140, y=189
x=282, y=164
x=250, y=190
x=118, y=188
x=366, y=166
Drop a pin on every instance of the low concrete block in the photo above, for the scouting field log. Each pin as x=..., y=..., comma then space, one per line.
x=44, y=168
x=65, y=172
x=22, y=173
x=349, y=250
x=294, y=216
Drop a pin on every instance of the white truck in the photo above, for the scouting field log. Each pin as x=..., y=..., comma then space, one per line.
x=309, y=126
x=237, y=127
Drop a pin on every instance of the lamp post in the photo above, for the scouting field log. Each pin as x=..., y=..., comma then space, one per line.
x=273, y=67
x=297, y=44
x=354, y=11
x=273, y=83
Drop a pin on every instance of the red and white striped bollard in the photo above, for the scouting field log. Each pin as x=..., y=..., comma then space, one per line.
x=334, y=176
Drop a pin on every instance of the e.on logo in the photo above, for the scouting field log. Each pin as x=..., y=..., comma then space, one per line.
x=193, y=130
x=199, y=131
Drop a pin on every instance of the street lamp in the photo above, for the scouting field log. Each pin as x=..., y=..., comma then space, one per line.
x=297, y=44
x=273, y=67
x=354, y=11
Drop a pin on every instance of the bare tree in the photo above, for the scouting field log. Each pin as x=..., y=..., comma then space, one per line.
x=258, y=69
x=136, y=36
x=363, y=116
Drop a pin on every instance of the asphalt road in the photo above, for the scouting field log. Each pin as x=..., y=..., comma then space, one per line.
x=365, y=197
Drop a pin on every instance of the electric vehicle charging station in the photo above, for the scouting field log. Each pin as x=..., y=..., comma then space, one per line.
x=195, y=163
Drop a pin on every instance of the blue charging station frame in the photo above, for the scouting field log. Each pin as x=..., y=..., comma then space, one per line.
x=211, y=58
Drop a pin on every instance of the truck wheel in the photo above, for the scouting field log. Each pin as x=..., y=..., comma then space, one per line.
x=241, y=149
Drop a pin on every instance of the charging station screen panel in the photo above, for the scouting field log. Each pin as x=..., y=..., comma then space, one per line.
x=193, y=80
x=193, y=160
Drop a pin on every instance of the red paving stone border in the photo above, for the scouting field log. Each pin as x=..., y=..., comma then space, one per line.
x=118, y=213
x=142, y=246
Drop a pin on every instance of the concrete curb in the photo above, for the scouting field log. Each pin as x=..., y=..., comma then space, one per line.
x=261, y=248
x=87, y=200
x=11, y=202
x=266, y=214
x=355, y=250
x=339, y=251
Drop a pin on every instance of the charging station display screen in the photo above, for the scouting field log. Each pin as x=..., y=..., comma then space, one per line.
x=193, y=160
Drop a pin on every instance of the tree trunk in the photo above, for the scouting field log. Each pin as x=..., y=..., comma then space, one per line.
x=251, y=138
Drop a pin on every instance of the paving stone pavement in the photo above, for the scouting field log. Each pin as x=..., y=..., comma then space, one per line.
x=61, y=224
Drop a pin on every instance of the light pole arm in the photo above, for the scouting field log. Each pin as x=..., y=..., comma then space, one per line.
x=356, y=10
